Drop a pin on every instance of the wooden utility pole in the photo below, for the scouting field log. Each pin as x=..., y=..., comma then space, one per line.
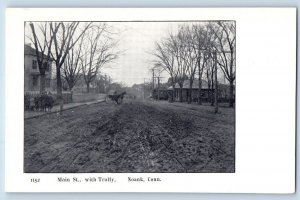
x=153, y=79
x=158, y=85
x=158, y=82
x=153, y=83
x=144, y=89
x=214, y=53
x=216, y=82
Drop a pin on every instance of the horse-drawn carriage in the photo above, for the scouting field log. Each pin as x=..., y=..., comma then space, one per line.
x=115, y=97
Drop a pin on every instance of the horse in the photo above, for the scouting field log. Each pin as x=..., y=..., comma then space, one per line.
x=118, y=98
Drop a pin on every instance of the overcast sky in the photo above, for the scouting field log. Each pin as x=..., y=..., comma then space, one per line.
x=137, y=39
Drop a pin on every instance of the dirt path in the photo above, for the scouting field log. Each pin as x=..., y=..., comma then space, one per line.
x=131, y=137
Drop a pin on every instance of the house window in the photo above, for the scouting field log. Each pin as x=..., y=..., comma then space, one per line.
x=48, y=82
x=34, y=64
x=34, y=81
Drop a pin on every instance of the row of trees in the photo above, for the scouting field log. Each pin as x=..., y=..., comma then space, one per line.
x=196, y=51
x=76, y=48
x=98, y=85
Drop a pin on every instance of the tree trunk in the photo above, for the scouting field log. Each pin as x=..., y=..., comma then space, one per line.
x=172, y=94
x=42, y=83
x=200, y=82
x=216, y=84
x=158, y=92
x=190, y=92
x=212, y=92
x=199, y=92
x=71, y=87
x=208, y=85
x=231, y=98
x=180, y=94
x=59, y=89
x=87, y=87
x=71, y=84
x=208, y=93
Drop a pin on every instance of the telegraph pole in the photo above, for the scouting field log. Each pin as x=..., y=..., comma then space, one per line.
x=153, y=83
x=158, y=88
x=144, y=89
x=214, y=53
x=216, y=82
x=158, y=82
x=153, y=78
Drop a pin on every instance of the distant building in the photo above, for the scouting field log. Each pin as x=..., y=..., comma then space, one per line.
x=160, y=93
x=31, y=70
x=206, y=92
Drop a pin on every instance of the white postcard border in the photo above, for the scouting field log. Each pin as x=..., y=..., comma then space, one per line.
x=265, y=103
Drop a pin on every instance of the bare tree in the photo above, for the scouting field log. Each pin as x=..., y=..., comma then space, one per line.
x=65, y=36
x=203, y=47
x=225, y=45
x=71, y=68
x=209, y=75
x=98, y=51
x=42, y=46
x=190, y=56
x=178, y=52
x=166, y=60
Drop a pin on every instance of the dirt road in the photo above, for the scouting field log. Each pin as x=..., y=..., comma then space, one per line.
x=135, y=136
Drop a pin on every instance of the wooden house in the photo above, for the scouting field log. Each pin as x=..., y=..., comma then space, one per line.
x=31, y=70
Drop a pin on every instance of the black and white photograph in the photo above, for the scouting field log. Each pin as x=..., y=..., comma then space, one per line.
x=155, y=100
x=129, y=97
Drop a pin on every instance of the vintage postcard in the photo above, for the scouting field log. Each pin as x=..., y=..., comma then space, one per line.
x=150, y=100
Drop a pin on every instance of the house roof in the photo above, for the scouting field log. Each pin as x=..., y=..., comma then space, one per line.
x=28, y=50
x=186, y=85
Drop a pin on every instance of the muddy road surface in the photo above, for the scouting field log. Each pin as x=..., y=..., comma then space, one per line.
x=135, y=136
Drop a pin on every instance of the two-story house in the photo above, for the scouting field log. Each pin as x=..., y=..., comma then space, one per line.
x=31, y=70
